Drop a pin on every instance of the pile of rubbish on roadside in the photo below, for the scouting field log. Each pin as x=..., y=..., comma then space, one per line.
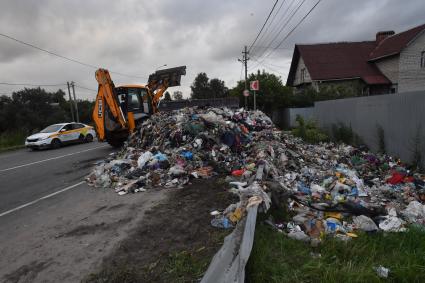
x=327, y=189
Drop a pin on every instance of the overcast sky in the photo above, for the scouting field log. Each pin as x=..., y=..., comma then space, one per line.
x=135, y=37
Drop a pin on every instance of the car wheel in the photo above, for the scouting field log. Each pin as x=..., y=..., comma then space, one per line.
x=56, y=143
x=89, y=138
x=81, y=139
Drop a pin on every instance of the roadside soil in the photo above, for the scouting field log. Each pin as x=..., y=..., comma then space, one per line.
x=174, y=242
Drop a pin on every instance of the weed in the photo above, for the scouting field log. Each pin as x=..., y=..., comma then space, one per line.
x=308, y=131
x=381, y=139
x=12, y=139
x=343, y=134
x=416, y=149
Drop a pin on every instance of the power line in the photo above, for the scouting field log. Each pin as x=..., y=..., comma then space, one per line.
x=255, y=40
x=64, y=57
x=265, y=47
x=26, y=84
x=270, y=23
x=276, y=26
x=86, y=88
x=285, y=24
x=308, y=13
x=293, y=29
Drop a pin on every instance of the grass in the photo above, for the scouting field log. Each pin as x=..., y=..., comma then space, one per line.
x=276, y=258
x=12, y=140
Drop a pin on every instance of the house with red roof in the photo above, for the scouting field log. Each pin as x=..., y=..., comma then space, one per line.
x=390, y=63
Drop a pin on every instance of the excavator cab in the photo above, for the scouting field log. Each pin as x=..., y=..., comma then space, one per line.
x=136, y=100
x=118, y=110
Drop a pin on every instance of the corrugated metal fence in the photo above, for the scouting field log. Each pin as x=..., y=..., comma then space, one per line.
x=401, y=116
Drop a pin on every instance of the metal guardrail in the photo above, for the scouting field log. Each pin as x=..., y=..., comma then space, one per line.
x=231, y=102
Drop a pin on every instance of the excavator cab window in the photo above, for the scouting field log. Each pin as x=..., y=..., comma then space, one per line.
x=134, y=100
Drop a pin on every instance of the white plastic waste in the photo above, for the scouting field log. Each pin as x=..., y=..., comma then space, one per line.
x=364, y=223
x=144, y=158
x=414, y=211
x=382, y=271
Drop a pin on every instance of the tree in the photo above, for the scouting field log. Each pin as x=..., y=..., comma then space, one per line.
x=218, y=89
x=167, y=96
x=200, y=87
x=272, y=95
x=178, y=95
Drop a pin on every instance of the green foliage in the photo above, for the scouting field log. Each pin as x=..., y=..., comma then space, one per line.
x=308, y=131
x=30, y=110
x=381, y=139
x=276, y=258
x=12, y=139
x=167, y=96
x=327, y=91
x=218, y=88
x=272, y=95
x=416, y=147
x=343, y=134
x=177, y=95
x=203, y=87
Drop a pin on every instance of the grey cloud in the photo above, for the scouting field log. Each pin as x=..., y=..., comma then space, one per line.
x=135, y=37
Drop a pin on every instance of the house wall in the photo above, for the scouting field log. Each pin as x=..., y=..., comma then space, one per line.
x=412, y=76
x=389, y=67
x=300, y=66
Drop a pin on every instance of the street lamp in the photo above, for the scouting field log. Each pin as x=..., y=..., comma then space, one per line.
x=165, y=65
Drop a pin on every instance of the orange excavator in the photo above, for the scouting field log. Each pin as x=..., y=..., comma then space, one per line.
x=119, y=110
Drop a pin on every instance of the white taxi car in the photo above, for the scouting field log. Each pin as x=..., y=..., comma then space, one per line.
x=58, y=134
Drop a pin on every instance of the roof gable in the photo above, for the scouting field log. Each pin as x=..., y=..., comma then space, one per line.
x=394, y=44
x=333, y=61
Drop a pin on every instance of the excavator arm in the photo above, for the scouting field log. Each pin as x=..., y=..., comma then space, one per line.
x=106, y=111
x=161, y=80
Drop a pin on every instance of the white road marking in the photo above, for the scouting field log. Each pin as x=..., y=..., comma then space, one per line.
x=39, y=199
x=48, y=159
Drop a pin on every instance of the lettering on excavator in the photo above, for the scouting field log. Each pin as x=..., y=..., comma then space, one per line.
x=99, y=106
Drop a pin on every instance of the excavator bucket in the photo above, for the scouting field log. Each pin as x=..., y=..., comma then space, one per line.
x=171, y=76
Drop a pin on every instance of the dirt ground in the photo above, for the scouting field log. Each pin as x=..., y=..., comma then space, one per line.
x=174, y=242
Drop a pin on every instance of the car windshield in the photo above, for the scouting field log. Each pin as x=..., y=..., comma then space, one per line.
x=51, y=129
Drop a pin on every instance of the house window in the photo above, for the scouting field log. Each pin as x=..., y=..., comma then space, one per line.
x=423, y=59
x=303, y=75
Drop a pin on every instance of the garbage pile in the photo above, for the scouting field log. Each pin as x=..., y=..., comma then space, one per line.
x=326, y=189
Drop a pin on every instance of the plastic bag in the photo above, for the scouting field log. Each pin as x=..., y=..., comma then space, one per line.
x=144, y=158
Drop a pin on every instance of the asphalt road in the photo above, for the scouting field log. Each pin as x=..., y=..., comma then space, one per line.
x=53, y=227
x=26, y=176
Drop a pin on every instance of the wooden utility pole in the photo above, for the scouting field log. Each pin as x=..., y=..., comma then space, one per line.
x=70, y=103
x=76, y=103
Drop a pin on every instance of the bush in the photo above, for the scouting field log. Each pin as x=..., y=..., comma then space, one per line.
x=12, y=139
x=308, y=131
x=343, y=134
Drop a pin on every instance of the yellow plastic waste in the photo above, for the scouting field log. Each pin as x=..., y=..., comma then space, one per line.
x=336, y=215
x=236, y=215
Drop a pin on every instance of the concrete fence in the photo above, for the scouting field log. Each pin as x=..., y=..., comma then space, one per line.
x=401, y=116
